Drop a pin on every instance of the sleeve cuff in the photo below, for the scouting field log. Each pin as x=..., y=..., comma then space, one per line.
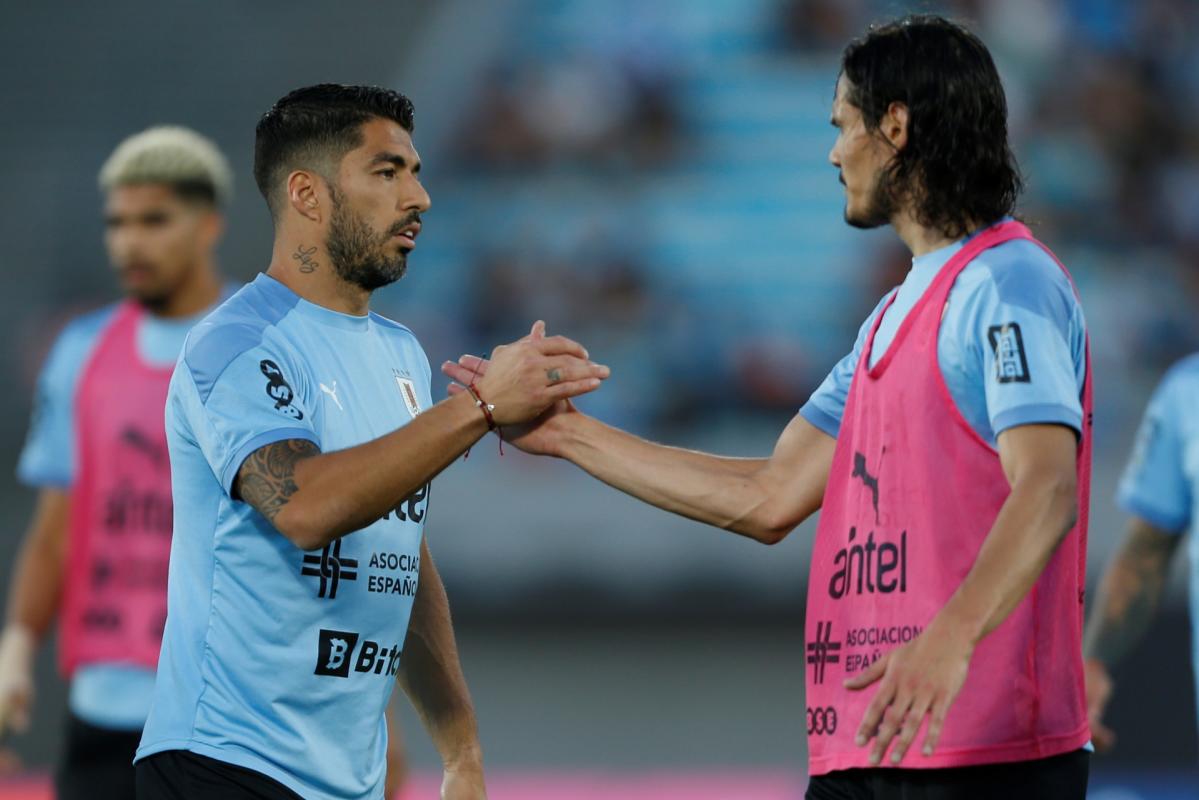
x=229, y=474
x=820, y=419
x=1039, y=414
x=43, y=478
x=1130, y=503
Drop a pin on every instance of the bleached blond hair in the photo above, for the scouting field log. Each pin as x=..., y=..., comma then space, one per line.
x=173, y=155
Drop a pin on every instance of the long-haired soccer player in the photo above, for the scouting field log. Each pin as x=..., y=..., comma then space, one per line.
x=949, y=453
x=96, y=551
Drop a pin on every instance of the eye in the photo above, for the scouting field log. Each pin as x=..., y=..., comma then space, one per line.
x=387, y=174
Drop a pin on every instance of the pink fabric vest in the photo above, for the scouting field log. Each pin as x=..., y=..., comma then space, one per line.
x=912, y=493
x=115, y=601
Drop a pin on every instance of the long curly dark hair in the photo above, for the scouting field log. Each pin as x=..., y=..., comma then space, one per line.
x=957, y=167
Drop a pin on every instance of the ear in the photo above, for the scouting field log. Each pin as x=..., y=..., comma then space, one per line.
x=212, y=228
x=304, y=195
x=894, y=125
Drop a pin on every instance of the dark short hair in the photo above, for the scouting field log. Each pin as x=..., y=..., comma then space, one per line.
x=314, y=127
x=957, y=165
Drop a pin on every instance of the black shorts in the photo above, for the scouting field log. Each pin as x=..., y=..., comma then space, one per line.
x=1061, y=777
x=96, y=763
x=181, y=775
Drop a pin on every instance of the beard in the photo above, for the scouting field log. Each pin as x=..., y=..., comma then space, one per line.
x=358, y=253
x=884, y=200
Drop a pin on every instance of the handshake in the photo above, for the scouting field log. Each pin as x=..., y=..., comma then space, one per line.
x=527, y=386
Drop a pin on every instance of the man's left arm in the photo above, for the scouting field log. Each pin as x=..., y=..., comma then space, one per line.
x=431, y=676
x=923, y=678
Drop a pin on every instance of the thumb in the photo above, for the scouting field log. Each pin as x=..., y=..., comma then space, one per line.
x=868, y=675
x=538, y=331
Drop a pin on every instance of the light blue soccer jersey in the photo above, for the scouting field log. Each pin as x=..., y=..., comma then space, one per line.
x=1011, y=347
x=275, y=659
x=1161, y=483
x=108, y=695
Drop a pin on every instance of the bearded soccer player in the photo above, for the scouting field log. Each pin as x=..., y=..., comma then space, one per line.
x=949, y=453
x=303, y=440
x=96, y=551
x=1160, y=490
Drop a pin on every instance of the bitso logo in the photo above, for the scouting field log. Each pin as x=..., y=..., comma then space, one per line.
x=279, y=390
x=331, y=568
x=333, y=653
x=823, y=651
x=337, y=652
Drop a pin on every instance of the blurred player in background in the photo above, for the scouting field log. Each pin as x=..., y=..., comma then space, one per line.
x=1160, y=489
x=949, y=451
x=303, y=440
x=96, y=551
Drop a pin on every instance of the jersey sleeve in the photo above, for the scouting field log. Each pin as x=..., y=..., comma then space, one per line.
x=259, y=398
x=1030, y=335
x=1154, y=486
x=826, y=406
x=48, y=457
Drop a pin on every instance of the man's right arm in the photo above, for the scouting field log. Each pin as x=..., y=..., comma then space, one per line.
x=313, y=498
x=764, y=499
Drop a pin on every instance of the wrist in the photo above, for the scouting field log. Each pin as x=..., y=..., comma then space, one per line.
x=17, y=646
x=576, y=435
x=468, y=758
x=959, y=625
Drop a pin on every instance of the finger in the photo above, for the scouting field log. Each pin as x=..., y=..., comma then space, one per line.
x=911, y=726
x=874, y=713
x=459, y=373
x=455, y=389
x=1103, y=737
x=869, y=675
x=538, y=331
x=560, y=346
x=567, y=368
x=569, y=389
x=935, y=723
x=480, y=365
x=892, y=721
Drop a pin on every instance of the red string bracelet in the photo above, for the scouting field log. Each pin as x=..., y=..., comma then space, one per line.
x=486, y=408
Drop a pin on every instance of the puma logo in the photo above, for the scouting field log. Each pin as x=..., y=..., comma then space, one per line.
x=871, y=481
x=332, y=393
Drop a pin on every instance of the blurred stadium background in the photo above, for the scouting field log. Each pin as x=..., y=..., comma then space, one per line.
x=652, y=179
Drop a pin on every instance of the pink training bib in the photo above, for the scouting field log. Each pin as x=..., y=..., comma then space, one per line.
x=115, y=598
x=912, y=493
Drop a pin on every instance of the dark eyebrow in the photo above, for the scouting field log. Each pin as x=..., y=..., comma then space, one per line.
x=395, y=160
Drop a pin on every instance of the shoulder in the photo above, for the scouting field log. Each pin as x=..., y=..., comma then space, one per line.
x=1020, y=273
x=235, y=328
x=77, y=339
x=1181, y=380
x=389, y=327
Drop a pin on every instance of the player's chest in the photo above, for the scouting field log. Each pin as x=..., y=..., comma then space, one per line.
x=355, y=403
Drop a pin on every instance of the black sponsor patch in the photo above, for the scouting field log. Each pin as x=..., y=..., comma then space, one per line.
x=1007, y=343
x=279, y=390
x=334, y=651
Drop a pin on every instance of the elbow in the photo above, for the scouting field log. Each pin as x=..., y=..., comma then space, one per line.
x=770, y=529
x=301, y=529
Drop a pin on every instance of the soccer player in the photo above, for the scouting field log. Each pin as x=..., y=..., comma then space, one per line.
x=95, y=554
x=1159, y=489
x=303, y=440
x=949, y=453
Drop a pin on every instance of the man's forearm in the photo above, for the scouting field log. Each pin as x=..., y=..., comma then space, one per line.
x=742, y=495
x=431, y=674
x=36, y=588
x=314, y=498
x=1031, y=524
x=1129, y=592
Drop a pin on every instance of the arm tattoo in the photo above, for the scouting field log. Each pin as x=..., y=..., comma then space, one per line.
x=305, y=257
x=266, y=479
x=1130, y=592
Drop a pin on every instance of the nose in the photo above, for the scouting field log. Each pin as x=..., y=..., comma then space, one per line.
x=418, y=198
x=834, y=157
